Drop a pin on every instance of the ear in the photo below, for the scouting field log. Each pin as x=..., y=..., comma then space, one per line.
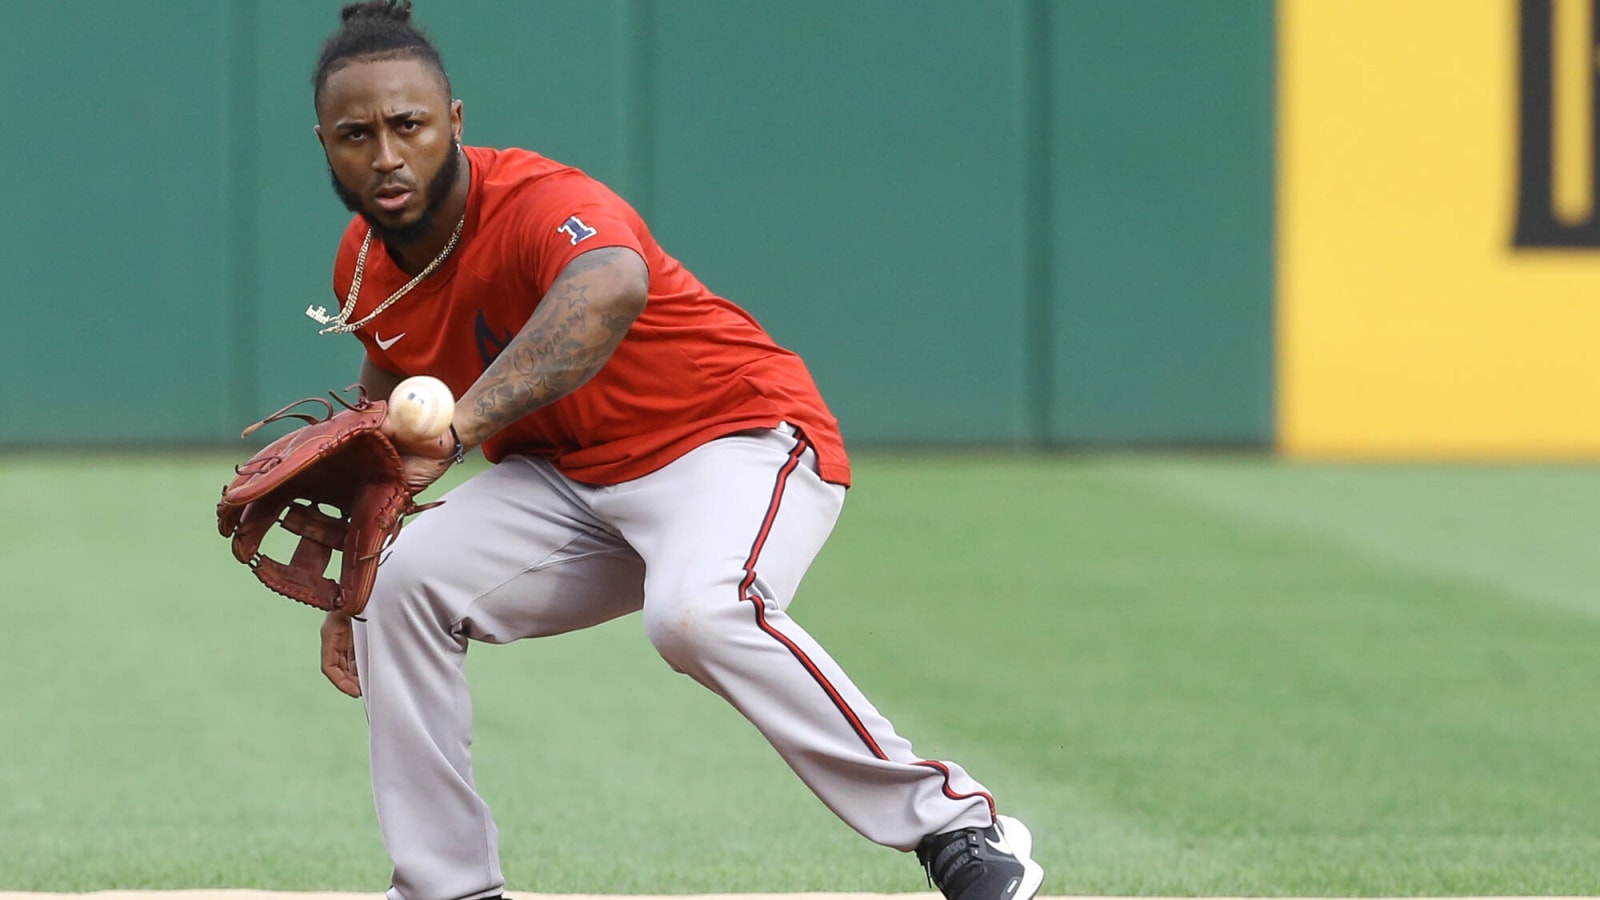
x=317, y=130
x=456, y=108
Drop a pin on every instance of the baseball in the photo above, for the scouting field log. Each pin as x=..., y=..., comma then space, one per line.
x=420, y=408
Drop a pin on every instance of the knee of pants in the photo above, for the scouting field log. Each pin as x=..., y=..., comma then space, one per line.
x=692, y=620
x=406, y=593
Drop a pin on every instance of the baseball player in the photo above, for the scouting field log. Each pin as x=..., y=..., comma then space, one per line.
x=654, y=451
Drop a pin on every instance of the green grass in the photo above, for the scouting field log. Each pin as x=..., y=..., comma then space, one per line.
x=1190, y=676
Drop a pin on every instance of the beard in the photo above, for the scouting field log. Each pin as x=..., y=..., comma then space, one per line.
x=437, y=190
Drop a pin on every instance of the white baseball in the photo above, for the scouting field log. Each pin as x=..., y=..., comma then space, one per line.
x=420, y=408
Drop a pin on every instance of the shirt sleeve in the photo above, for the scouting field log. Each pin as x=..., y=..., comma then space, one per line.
x=569, y=215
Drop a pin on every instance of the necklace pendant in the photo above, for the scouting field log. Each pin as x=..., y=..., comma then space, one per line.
x=318, y=314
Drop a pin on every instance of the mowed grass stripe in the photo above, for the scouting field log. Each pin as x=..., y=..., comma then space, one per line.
x=1180, y=697
x=1209, y=686
x=1526, y=530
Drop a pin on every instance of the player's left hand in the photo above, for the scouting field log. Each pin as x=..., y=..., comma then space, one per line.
x=424, y=461
x=423, y=471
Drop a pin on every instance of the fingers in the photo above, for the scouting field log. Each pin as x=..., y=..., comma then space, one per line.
x=422, y=472
x=338, y=654
x=344, y=681
x=441, y=447
x=342, y=674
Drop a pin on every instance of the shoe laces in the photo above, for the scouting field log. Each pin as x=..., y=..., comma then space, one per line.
x=952, y=861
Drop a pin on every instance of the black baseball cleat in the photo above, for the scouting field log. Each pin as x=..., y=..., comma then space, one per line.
x=991, y=863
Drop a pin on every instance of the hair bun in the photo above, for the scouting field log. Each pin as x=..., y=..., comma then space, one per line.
x=398, y=10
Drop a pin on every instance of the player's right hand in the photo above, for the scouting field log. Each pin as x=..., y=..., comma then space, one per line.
x=339, y=653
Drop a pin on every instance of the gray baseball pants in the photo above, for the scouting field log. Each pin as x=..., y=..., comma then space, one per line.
x=711, y=548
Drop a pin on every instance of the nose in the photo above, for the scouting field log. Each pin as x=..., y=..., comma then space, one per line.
x=386, y=159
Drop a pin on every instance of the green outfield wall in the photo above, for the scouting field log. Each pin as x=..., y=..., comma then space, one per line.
x=1020, y=222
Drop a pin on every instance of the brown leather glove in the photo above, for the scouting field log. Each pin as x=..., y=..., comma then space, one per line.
x=337, y=483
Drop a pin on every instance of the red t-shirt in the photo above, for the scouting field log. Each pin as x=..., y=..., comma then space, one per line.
x=692, y=367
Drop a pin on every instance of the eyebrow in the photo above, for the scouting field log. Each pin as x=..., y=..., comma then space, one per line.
x=346, y=124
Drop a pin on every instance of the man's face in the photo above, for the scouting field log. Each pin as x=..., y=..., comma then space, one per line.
x=390, y=132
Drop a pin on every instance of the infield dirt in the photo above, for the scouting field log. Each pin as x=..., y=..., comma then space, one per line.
x=519, y=895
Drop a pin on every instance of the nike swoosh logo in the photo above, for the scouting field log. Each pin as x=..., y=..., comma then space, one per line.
x=1001, y=846
x=385, y=345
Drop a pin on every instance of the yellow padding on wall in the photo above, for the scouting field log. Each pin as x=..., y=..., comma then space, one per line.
x=1408, y=325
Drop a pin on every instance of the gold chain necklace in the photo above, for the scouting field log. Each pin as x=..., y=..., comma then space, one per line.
x=341, y=323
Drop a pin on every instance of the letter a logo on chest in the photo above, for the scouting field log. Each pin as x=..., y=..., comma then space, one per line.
x=575, y=229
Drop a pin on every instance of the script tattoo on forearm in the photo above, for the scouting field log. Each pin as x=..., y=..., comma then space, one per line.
x=568, y=339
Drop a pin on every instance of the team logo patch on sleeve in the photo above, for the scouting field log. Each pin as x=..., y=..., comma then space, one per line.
x=575, y=229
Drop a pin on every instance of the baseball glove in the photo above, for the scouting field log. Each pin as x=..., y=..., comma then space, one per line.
x=337, y=483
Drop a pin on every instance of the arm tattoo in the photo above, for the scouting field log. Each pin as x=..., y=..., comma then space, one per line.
x=568, y=338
